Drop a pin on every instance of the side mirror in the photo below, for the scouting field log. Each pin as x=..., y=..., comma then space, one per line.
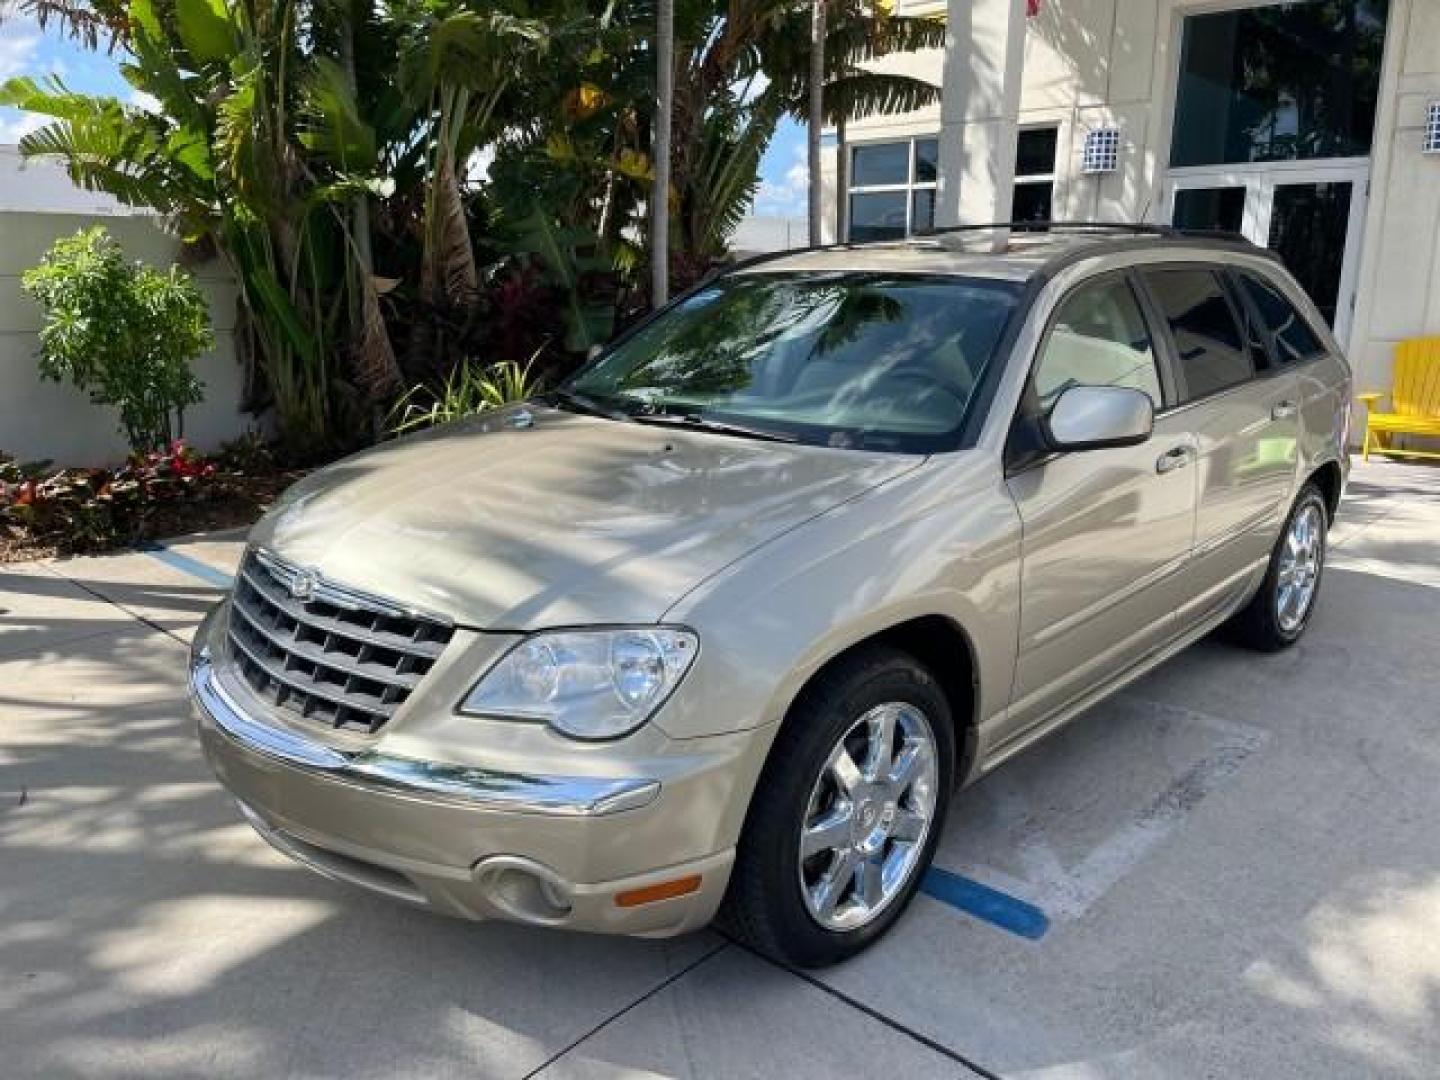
x=1095, y=417
x=593, y=351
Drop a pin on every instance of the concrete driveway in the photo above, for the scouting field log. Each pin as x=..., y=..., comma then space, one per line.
x=1232, y=869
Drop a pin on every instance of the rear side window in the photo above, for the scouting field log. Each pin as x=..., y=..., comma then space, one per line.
x=1292, y=337
x=1209, y=343
x=1098, y=338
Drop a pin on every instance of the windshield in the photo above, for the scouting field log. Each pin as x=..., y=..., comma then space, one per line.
x=863, y=361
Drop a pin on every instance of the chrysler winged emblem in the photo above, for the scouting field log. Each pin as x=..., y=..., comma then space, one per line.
x=303, y=583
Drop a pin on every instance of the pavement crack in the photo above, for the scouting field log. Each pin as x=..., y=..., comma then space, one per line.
x=875, y=1014
x=151, y=623
x=663, y=984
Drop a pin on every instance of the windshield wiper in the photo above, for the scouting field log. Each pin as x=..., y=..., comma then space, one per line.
x=717, y=427
x=578, y=402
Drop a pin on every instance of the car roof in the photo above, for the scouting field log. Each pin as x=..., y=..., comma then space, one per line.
x=1001, y=252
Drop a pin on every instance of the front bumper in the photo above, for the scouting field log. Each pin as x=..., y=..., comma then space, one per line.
x=549, y=848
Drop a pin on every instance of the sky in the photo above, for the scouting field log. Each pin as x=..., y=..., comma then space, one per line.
x=26, y=50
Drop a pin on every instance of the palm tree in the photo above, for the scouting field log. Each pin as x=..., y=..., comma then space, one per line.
x=854, y=32
x=726, y=48
x=660, y=154
x=817, y=115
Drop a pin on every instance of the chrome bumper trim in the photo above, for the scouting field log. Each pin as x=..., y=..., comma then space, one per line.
x=472, y=786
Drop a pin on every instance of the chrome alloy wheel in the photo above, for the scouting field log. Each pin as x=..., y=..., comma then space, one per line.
x=1301, y=556
x=868, y=817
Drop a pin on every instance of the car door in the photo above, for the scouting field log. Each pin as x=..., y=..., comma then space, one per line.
x=1106, y=532
x=1241, y=410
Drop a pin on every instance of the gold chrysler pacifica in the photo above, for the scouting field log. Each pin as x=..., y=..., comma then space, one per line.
x=717, y=627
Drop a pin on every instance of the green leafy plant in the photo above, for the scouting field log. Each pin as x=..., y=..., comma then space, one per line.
x=471, y=388
x=123, y=332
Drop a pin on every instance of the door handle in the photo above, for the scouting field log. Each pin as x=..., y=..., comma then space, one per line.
x=1283, y=410
x=1176, y=458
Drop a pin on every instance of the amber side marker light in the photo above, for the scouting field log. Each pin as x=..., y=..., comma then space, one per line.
x=665, y=890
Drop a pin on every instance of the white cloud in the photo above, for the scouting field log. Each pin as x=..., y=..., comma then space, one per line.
x=789, y=195
x=16, y=125
x=19, y=48
x=141, y=100
x=19, y=42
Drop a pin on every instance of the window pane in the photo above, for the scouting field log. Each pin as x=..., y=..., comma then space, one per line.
x=1309, y=224
x=1035, y=152
x=1208, y=341
x=1279, y=82
x=1217, y=209
x=1098, y=339
x=1033, y=201
x=878, y=216
x=1294, y=340
x=927, y=155
x=881, y=163
x=922, y=217
x=857, y=360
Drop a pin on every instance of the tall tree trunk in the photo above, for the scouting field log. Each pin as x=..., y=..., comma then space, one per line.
x=660, y=154
x=842, y=180
x=360, y=207
x=817, y=113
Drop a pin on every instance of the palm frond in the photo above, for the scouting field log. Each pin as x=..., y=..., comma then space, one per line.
x=870, y=93
x=89, y=23
x=330, y=123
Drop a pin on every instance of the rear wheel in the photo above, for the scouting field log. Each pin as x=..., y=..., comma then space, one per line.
x=847, y=814
x=1281, y=610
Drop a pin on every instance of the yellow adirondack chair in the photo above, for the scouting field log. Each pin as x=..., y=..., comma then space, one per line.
x=1414, y=400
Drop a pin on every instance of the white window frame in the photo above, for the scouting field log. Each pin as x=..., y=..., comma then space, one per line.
x=909, y=187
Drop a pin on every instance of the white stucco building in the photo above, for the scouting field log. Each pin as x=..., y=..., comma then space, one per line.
x=1312, y=126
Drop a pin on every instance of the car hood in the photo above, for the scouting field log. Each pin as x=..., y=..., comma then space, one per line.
x=571, y=520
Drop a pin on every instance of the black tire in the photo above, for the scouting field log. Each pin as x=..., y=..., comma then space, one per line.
x=1258, y=625
x=764, y=906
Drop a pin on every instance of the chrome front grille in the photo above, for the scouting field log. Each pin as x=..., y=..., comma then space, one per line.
x=331, y=654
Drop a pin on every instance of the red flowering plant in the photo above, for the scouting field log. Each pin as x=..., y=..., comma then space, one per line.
x=94, y=509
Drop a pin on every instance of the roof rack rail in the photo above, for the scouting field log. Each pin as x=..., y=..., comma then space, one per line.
x=1135, y=228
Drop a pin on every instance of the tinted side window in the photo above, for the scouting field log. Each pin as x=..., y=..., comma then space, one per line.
x=1208, y=341
x=1098, y=338
x=1293, y=338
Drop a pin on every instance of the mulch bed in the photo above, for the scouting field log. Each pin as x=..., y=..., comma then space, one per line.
x=227, y=500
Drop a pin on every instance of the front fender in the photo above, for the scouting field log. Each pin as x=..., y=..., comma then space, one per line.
x=943, y=541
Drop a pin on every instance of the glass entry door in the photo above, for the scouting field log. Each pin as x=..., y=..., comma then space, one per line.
x=1310, y=214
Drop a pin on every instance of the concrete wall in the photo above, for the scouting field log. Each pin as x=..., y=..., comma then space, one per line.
x=1399, y=292
x=761, y=233
x=48, y=420
x=1101, y=63
x=44, y=186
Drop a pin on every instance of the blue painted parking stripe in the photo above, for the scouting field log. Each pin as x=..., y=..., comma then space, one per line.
x=995, y=907
x=186, y=565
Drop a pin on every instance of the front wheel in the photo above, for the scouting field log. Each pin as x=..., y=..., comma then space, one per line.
x=1281, y=610
x=847, y=814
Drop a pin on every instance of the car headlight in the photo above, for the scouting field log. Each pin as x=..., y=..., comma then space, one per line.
x=588, y=684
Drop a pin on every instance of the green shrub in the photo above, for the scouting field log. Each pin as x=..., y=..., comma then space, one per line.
x=470, y=389
x=123, y=332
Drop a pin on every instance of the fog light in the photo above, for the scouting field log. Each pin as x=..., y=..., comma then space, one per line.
x=524, y=890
